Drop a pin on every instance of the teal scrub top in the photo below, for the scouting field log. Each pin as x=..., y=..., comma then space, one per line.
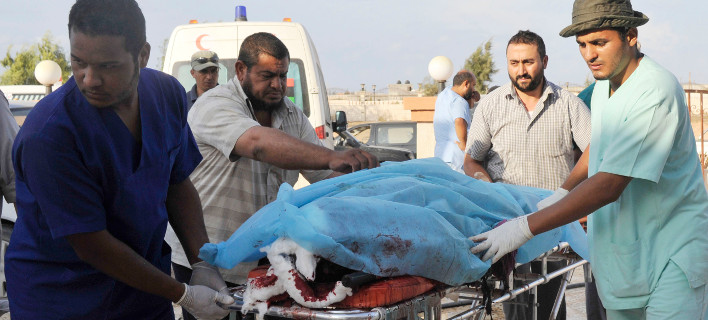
x=643, y=131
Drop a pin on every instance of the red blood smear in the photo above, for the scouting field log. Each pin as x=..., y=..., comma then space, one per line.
x=264, y=281
x=318, y=293
x=277, y=298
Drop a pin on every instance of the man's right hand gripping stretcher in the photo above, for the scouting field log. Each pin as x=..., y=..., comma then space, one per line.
x=206, y=293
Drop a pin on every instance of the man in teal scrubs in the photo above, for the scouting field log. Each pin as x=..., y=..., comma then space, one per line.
x=648, y=234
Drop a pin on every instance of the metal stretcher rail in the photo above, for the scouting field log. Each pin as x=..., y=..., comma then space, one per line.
x=427, y=306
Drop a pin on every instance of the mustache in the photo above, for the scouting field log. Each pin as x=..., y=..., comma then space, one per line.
x=523, y=76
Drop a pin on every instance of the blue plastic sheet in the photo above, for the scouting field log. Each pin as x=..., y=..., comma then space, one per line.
x=406, y=218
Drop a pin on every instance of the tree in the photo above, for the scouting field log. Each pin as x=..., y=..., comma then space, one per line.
x=481, y=64
x=20, y=68
x=428, y=87
x=163, y=49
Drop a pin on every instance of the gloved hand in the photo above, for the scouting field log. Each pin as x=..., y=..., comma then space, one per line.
x=503, y=239
x=559, y=194
x=207, y=275
x=202, y=301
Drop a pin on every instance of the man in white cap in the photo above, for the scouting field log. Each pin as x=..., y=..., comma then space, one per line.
x=640, y=177
x=205, y=70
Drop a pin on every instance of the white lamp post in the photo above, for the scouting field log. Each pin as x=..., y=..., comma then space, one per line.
x=440, y=68
x=47, y=73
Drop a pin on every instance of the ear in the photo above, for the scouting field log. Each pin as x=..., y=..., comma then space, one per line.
x=144, y=55
x=191, y=71
x=545, y=61
x=241, y=70
x=632, y=36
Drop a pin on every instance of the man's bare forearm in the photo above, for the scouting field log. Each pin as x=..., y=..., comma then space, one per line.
x=474, y=168
x=461, y=133
x=590, y=195
x=184, y=210
x=282, y=150
x=579, y=172
x=114, y=258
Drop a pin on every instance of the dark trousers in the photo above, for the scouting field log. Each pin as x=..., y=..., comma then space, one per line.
x=593, y=306
x=546, y=294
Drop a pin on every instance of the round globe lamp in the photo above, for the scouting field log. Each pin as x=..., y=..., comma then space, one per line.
x=47, y=73
x=440, y=69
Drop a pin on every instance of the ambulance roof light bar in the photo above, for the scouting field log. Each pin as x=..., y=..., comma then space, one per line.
x=240, y=14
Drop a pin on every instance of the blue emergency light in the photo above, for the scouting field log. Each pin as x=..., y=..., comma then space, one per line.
x=240, y=14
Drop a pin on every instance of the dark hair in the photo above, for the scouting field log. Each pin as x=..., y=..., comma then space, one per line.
x=622, y=32
x=528, y=37
x=461, y=77
x=110, y=18
x=261, y=43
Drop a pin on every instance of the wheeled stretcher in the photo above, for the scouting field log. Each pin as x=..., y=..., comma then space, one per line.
x=429, y=305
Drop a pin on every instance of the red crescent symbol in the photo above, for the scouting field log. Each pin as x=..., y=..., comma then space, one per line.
x=199, y=42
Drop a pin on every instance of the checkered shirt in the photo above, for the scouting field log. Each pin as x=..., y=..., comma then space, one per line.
x=534, y=150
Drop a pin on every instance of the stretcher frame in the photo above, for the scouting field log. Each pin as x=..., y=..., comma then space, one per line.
x=429, y=305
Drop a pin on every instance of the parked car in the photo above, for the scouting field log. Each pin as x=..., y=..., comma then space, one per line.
x=399, y=134
x=347, y=140
x=20, y=110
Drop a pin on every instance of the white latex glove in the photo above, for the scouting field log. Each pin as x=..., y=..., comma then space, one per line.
x=503, y=239
x=559, y=194
x=201, y=301
x=207, y=275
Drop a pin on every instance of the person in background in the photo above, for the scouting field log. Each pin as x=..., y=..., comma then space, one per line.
x=452, y=118
x=639, y=181
x=524, y=133
x=205, y=70
x=8, y=131
x=253, y=139
x=472, y=101
x=101, y=165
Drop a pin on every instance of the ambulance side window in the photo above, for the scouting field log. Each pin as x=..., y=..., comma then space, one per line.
x=297, y=86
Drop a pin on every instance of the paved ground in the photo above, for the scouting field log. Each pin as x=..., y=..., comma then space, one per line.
x=574, y=300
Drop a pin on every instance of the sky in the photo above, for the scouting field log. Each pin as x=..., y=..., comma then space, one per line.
x=384, y=41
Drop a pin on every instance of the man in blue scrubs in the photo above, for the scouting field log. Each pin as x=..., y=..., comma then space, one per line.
x=102, y=164
x=640, y=176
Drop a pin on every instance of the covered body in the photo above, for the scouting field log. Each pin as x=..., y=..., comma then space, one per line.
x=408, y=218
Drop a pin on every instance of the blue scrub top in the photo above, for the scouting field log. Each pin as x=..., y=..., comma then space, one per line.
x=449, y=106
x=80, y=170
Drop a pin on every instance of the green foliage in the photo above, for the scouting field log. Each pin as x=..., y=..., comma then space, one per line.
x=481, y=64
x=20, y=68
x=163, y=50
x=428, y=87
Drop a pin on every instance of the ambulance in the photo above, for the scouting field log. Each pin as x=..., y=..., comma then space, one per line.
x=305, y=83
